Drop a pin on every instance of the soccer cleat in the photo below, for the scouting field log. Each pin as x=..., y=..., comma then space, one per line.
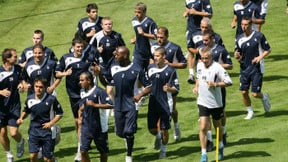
x=162, y=155
x=191, y=79
x=220, y=153
x=77, y=157
x=266, y=102
x=204, y=158
x=250, y=115
x=224, y=138
x=10, y=158
x=157, y=143
x=128, y=158
x=177, y=134
x=209, y=146
x=20, y=148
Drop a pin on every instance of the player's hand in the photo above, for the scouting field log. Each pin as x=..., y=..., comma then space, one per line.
x=47, y=125
x=133, y=40
x=5, y=92
x=166, y=87
x=50, y=90
x=233, y=24
x=237, y=55
x=211, y=84
x=256, y=60
x=195, y=90
x=68, y=71
x=186, y=13
x=90, y=103
x=19, y=121
x=100, y=49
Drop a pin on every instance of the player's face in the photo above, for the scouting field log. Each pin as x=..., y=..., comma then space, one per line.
x=139, y=14
x=38, y=55
x=78, y=48
x=39, y=89
x=93, y=14
x=119, y=55
x=37, y=38
x=107, y=25
x=206, y=59
x=13, y=59
x=84, y=83
x=159, y=58
x=246, y=26
x=162, y=39
x=204, y=26
x=207, y=41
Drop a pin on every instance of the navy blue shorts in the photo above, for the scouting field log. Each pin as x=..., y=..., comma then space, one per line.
x=216, y=113
x=156, y=112
x=47, y=145
x=126, y=122
x=9, y=118
x=100, y=140
x=74, y=103
x=251, y=76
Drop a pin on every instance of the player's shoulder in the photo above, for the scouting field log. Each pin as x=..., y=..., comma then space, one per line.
x=83, y=20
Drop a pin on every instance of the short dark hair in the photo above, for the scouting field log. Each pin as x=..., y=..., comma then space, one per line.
x=247, y=18
x=161, y=50
x=91, y=6
x=210, y=33
x=77, y=40
x=141, y=6
x=89, y=76
x=42, y=80
x=38, y=31
x=164, y=30
x=7, y=53
x=38, y=46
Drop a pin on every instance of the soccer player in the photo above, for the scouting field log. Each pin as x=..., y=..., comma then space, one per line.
x=145, y=29
x=38, y=38
x=251, y=49
x=194, y=42
x=263, y=7
x=245, y=8
x=11, y=83
x=220, y=55
x=71, y=65
x=42, y=66
x=174, y=58
x=125, y=77
x=164, y=84
x=90, y=25
x=106, y=41
x=91, y=116
x=39, y=105
x=211, y=76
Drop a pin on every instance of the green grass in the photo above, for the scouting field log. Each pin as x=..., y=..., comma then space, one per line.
x=261, y=139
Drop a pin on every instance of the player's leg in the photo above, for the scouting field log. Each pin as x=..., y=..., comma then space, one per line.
x=5, y=141
x=177, y=132
x=101, y=142
x=217, y=115
x=154, y=122
x=164, y=126
x=204, y=119
x=244, y=87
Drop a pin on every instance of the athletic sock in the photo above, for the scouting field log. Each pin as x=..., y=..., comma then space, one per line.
x=130, y=143
x=209, y=135
x=191, y=71
x=203, y=151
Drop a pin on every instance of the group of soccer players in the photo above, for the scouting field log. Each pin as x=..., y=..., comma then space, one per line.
x=99, y=53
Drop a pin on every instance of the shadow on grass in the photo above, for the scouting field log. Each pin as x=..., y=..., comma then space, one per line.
x=245, y=141
x=274, y=113
x=274, y=77
x=237, y=113
x=186, y=99
x=64, y=152
x=277, y=57
x=192, y=137
x=245, y=154
x=67, y=129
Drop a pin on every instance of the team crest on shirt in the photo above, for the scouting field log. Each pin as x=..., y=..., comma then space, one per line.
x=47, y=103
x=166, y=74
x=11, y=79
x=132, y=72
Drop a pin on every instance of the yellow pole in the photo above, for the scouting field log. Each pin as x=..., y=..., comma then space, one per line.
x=217, y=143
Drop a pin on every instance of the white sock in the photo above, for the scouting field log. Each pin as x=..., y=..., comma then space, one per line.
x=209, y=135
x=191, y=71
x=163, y=148
x=78, y=149
x=223, y=129
x=249, y=109
x=158, y=135
x=176, y=125
x=9, y=154
x=203, y=151
x=221, y=145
